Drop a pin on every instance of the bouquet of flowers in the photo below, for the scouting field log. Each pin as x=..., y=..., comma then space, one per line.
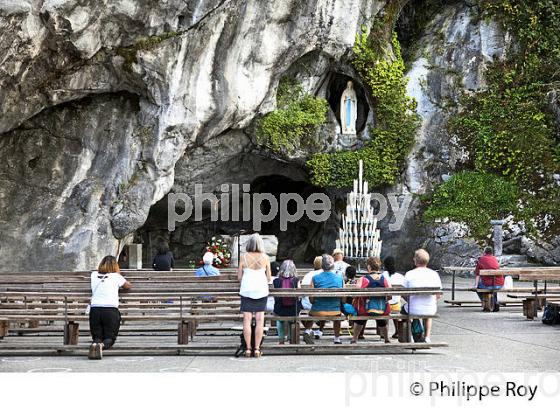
x=222, y=254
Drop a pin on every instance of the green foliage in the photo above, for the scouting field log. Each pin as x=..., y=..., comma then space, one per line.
x=474, y=198
x=508, y=129
x=294, y=124
x=383, y=72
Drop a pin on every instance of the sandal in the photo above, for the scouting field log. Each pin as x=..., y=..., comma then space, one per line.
x=258, y=353
x=248, y=353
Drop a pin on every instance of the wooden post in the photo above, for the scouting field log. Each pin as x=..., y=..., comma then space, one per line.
x=71, y=333
x=4, y=326
x=295, y=328
x=530, y=308
x=402, y=331
x=183, y=333
x=487, y=301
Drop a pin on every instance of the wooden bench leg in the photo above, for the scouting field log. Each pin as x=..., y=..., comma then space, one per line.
x=402, y=331
x=33, y=324
x=487, y=302
x=184, y=333
x=71, y=333
x=4, y=325
x=295, y=332
x=530, y=308
x=193, y=325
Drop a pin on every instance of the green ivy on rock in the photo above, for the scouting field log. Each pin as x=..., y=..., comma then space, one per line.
x=383, y=73
x=473, y=198
x=294, y=124
x=508, y=129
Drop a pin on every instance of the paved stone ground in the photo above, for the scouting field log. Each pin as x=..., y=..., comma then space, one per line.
x=478, y=341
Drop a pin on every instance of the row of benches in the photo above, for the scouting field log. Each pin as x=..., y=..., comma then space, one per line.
x=56, y=303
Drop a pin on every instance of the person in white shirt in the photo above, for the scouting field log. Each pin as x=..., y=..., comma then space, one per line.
x=339, y=264
x=422, y=277
x=104, y=315
x=305, y=302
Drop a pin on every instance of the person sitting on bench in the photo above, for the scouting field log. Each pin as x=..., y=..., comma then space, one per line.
x=207, y=269
x=104, y=315
x=305, y=302
x=286, y=306
x=325, y=306
x=163, y=261
x=373, y=279
x=488, y=261
x=422, y=277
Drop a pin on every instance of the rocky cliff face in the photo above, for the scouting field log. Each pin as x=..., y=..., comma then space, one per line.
x=108, y=106
x=100, y=100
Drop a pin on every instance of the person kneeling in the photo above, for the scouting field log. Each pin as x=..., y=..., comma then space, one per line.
x=104, y=315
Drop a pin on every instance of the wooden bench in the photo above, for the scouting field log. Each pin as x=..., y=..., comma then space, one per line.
x=62, y=302
x=531, y=305
x=488, y=293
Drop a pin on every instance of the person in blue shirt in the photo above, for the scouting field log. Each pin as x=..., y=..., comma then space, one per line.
x=328, y=279
x=207, y=269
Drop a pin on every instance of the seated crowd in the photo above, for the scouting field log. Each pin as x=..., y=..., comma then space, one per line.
x=257, y=274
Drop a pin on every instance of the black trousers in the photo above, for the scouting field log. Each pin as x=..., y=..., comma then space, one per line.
x=104, y=324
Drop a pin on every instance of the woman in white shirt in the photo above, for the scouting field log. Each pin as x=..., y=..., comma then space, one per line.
x=104, y=315
x=255, y=275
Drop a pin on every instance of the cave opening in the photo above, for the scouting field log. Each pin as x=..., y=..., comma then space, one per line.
x=337, y=85
x=301, y=241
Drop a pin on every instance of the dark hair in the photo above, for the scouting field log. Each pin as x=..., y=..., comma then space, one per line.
x=108, y=264
x=274, y=268
x=374, y=263
x=389, y=264
x=162, y=248
x=488, y=250
x=350, y=272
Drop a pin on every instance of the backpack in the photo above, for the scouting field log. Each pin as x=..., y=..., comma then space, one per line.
x=417, y=331
x=288, y=283
x=377, y=306
x=551, y=315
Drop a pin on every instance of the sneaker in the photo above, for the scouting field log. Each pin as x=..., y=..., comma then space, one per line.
x=318, y=334
x=308, y=338
x=95, y=351
x=337, y=341
x=427, y=340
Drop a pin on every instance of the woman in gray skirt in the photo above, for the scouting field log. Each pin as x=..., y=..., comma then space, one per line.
x=254, y=274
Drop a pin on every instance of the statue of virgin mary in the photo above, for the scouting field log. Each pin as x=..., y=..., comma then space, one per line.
x=349, y=110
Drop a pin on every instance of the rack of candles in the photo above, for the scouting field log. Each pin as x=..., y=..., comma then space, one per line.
x=359, y=236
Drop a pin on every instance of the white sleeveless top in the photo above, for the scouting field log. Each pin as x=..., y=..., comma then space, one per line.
x=254, y=283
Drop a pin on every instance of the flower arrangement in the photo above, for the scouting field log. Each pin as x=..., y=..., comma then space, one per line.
x=222, y=254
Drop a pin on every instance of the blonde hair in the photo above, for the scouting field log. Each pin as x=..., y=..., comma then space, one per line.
x=108, y=264
x=255, y=244
x=317, y=262
x=421, y=257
